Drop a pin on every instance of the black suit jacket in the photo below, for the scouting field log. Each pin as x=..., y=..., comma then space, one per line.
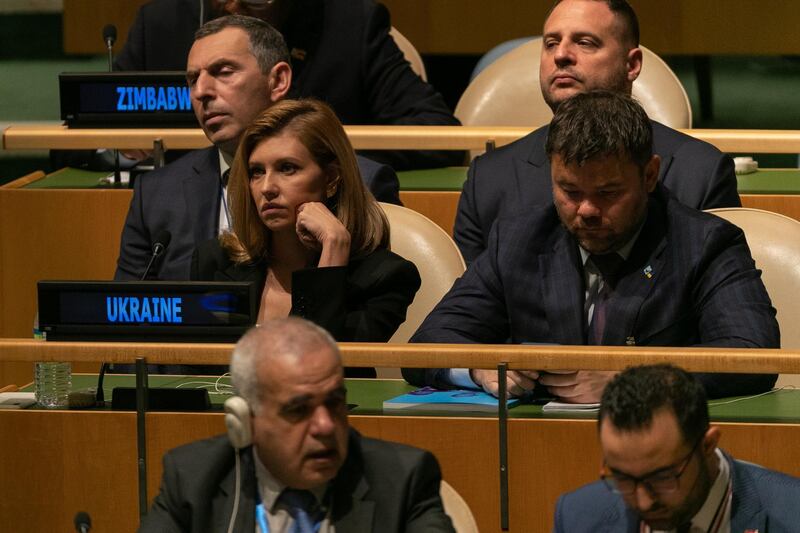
x=516, y=178
x=183, y=198
x=365, y=301
x=764, y=501
x=689, y=281
x=382, y=487
x=342, y=53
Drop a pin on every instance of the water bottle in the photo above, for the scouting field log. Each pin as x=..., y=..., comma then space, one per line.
x=51, y=380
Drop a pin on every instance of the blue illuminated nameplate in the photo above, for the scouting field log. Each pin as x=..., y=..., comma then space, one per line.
x=196, y=311
x=125, y=99
x=143, y=310
x=153, y=99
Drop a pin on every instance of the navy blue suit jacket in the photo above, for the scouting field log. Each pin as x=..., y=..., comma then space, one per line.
x=689, y=280
x=183, y=198
x=763, y=501
x=516, y=177
x=341, y=52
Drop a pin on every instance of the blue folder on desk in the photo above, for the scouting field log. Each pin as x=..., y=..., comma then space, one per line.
x=430, y=399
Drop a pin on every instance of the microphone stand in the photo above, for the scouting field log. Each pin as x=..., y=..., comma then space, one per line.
x=162, y=241
x=109, y=47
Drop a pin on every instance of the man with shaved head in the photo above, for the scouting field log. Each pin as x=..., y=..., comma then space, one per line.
x=290, y=461
x=587, y=45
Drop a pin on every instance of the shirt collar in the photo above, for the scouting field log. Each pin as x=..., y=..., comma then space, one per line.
x=702, y=520
x=224, y=162
x=270, y=488
x=623, y=252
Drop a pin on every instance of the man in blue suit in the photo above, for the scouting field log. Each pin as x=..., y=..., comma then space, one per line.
x=662, y=470
x=587, y=45
x=615, y=259
x=237, y=67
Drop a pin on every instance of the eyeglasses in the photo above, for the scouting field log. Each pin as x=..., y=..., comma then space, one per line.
x=664, y=481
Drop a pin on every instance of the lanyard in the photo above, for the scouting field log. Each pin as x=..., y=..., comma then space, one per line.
x=261, y=518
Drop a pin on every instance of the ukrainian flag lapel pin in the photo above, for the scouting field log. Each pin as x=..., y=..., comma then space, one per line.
x=648, y=272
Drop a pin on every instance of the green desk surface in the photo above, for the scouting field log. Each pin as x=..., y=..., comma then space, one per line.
x=440, y=179
x=769, y=181
x=70, y=178
x=437, y=179
x=781, y=406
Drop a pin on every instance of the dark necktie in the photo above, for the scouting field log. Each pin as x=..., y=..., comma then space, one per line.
x=301, y=505
x=609, y=266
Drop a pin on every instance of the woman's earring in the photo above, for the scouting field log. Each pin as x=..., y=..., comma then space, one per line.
x=332, y=187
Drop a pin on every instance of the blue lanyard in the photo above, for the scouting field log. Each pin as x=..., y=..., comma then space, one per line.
x=261, y=518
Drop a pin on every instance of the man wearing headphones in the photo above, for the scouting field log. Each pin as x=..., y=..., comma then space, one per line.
x=290, y=462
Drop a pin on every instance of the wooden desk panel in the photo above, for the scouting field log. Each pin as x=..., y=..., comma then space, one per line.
x=439, y=206
x=66, y=461
x=52, y=234
x=675, y=27
x=56, y=463
x=473, y=26
x=785, y=204
x=54, y=135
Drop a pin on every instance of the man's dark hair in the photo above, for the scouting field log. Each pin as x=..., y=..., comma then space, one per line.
x=626, y=16
x=632, y=397
x=266, y=43
x=600, y=124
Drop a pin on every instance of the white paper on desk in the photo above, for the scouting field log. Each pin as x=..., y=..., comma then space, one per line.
x=124, y=178
x=554, y=406
x=16, y=400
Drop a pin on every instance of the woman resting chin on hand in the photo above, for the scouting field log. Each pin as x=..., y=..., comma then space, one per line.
x=307, y=231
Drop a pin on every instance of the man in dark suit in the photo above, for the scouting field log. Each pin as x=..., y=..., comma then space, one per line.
x=237, y=67
x=289, y=459
x=613, y=260
x=341, y=52
x=662, y=470
x=587, y=45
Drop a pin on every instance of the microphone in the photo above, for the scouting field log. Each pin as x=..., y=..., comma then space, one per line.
x=162, y=241
x=159, y=246
x=109, y=37
x=83, y=523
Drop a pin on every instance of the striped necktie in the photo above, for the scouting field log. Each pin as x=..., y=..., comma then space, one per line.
x=608, y=265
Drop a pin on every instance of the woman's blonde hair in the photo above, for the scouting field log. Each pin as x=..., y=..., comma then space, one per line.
x=316, y=126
